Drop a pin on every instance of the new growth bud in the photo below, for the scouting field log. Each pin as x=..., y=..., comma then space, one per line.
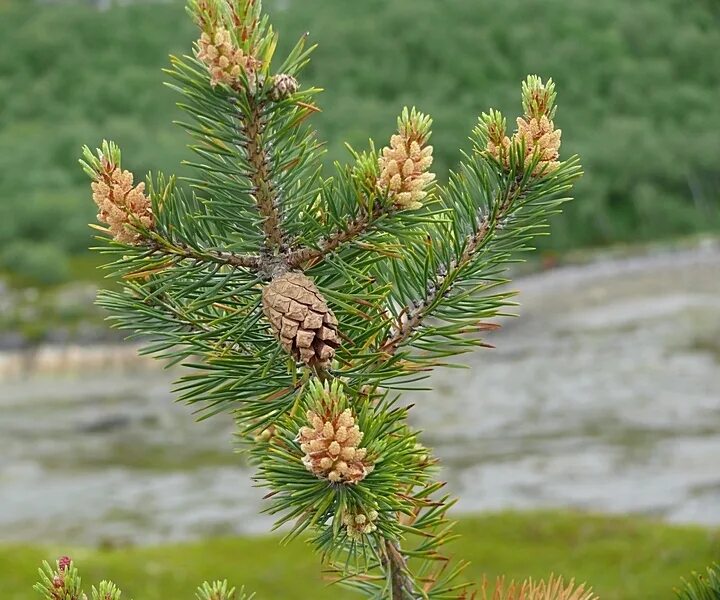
x=107, y=590
x=552, y=589
x=63, y=563
x=542, y=143
x=218, y=590
x=124, y=208
x=538, y=98
x=224, y=60
x=283, y=86
x=405, y=163
x=331, y=440
x=498, y=144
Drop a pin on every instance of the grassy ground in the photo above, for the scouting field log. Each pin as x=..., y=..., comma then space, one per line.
x=628, y=559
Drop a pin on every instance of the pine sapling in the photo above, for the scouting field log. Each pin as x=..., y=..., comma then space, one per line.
x=304, y=303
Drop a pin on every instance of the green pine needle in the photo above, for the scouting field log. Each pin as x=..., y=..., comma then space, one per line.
x=701, y=586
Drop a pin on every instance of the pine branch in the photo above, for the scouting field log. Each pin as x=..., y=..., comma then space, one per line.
x=264, y=190
x=444, y=278
x=300, y=301
x=449, y=280
x=309, y=257
x=422, y=308
x=245, y=261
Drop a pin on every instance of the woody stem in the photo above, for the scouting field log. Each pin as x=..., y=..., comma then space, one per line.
x=264, y=191
x=396, y=564
x=246, y=261
x=474, y=243
x=352, y=231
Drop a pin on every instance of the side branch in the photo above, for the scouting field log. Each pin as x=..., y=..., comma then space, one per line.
x=264, y=190
x=354, y=229
x=414, y=317
x=252, y=262
x=188, y=334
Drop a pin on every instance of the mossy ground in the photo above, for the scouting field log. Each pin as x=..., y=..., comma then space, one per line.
x=623, y=558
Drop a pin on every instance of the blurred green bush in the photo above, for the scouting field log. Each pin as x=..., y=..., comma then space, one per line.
x=35, y=262
x=639, y=86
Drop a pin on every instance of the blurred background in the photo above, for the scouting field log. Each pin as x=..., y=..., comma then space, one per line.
x=600, y=407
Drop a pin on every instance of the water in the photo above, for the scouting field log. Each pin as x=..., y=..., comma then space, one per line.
x=604, y=395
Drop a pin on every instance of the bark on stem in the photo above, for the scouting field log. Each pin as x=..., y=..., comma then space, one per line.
x=355, y=229
x=416, y=315
x=252, y=262
x=246, y=261
x=402, y=587
x=263, y=189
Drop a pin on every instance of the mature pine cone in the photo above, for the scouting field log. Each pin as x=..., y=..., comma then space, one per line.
x=301, y=319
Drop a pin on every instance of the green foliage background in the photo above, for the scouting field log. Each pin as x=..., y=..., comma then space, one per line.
x=639, y=86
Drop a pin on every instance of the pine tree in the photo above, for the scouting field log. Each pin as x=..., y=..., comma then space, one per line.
x=306, y=303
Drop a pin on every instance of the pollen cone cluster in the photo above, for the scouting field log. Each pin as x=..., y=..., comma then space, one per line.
x=301, y=319
x=404, y=165
x=498, y=144
x=360, y=524
x=535, y=132
x=224, y=61
x=121, y=206
x=552, y=589
x=541, y=138
x=330, y=444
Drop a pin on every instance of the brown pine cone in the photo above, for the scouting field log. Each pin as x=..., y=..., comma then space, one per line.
x=301, y=319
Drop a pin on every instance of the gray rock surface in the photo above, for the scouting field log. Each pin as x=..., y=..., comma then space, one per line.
x=603, y=395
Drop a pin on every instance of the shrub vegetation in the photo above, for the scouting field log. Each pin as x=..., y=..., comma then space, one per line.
x=640, y=83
